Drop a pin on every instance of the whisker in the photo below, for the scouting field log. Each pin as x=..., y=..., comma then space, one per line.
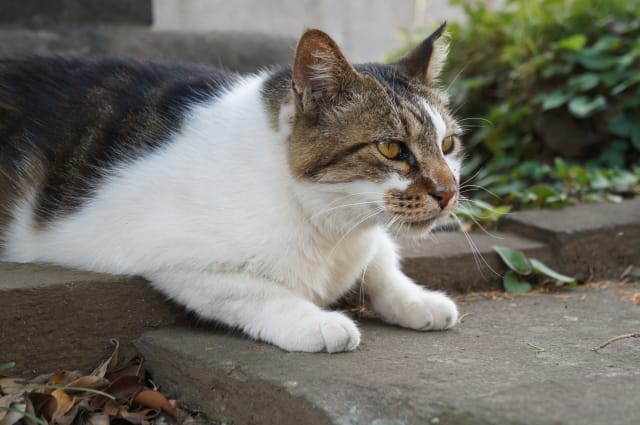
x=476, y=252
x=475, y=186
x=366, y=217
x=342, y=206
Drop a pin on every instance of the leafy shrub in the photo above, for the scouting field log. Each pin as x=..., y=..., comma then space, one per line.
x=546, y=79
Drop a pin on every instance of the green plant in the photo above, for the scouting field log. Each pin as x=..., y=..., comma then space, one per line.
x=522, y=271
x=540, y=80
x=6, y=366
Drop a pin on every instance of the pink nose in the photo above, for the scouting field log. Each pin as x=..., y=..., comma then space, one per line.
x=443, y=197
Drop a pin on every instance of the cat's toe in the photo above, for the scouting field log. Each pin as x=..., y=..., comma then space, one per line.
x=340, y=334
x=443, y=311
x=424, y=311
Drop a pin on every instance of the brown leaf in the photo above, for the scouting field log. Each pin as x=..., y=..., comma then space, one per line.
x=156, y=400
x=80, y=409
x=137, y=417
x=30, y=409
x=43, y=404
x=11, y=385
x=89, y=381
x=98, y=419
x=109, y=363
x=122, y=388
x=64, y=403
x=63, y=377
x=11, y=416
x=133, y=369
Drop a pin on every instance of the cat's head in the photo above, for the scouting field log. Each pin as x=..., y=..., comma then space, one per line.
x=380, y=137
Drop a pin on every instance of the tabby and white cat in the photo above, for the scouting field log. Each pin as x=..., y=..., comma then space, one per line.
x=255, y=201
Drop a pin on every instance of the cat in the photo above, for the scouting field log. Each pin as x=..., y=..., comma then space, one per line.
x=255, y=201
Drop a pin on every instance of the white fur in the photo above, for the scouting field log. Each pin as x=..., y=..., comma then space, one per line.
x=453, y=162
x=436, y=119
x=216, y=221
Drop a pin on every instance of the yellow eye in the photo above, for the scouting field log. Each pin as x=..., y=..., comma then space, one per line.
x=447, y=144
x=389, y=150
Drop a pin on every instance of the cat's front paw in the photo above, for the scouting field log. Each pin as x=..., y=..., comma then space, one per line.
x=422, y=310
x=325, y=331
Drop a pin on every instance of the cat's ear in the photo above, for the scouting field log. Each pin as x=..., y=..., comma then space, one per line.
x=425, y=62
x=320, y=71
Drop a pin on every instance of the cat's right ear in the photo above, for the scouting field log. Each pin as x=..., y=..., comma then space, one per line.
x=320, y=71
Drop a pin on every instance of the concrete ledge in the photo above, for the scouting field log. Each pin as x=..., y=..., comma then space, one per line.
x=243, y=52
x=451, y=263
x=588, y=240
x=487, y=371
x=53, y=318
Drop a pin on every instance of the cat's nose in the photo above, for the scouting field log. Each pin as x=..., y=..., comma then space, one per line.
x=443, y=197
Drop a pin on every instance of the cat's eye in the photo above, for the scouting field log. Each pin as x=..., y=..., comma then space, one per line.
x=390, y=150
x=448, y=144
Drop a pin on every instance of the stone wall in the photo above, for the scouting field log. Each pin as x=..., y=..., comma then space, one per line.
x=124, y=27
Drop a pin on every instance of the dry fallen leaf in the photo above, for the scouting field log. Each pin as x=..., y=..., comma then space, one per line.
x=156, y=400
x=109, y=363
x=110, y=392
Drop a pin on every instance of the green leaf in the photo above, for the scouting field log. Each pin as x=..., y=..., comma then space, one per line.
x=574, y=42
x=515, y=260
x=6, y=366
x=607, y=42
x=584, y=82
x=635, y=136
x=512, y=283
x=541, y=268
x=594, y=60
x=561, y=167
x=584, y=107
x=554, y=99
x=620, y=125
x=597, y=180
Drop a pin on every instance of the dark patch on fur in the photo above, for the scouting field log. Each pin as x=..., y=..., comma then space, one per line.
x=74, y=120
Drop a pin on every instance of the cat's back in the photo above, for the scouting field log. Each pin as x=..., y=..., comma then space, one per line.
x=65, y=122
x=51, y=98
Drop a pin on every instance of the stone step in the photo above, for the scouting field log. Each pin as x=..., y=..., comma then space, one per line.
x=242, y=52
x=588, y=240
x=455, y=263
x=53, y=318
x=524, y=361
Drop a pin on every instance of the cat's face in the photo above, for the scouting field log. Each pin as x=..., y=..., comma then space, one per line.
x=378, y=136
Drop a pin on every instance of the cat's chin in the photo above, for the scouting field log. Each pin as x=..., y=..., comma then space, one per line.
x=415, y=228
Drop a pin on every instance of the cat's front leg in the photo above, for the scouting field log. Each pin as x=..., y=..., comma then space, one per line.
x=398, y=300
x=263, y=309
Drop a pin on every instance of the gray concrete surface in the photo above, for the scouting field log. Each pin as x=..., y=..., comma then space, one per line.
x=588, y=240
x=244, y=52
x=454, y=263
x=49, y=13
x=521, y=361
x=53, y=318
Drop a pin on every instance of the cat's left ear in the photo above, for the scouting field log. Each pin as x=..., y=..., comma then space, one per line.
x=425, y=62
x=321, y=73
